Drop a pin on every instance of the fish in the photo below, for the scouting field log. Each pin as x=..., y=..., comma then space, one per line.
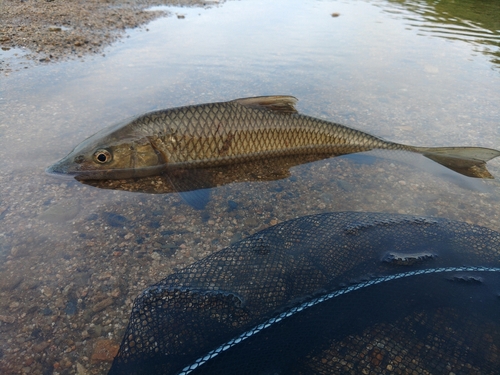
x=201, y=137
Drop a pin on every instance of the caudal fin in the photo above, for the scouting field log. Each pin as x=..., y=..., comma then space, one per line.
x=469, y=161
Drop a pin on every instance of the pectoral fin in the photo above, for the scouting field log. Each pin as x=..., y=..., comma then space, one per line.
x=468, y=161
x=193, y=185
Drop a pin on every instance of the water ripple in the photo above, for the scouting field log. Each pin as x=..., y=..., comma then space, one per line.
x=469, y=21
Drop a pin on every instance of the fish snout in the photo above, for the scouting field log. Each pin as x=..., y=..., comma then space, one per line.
x=61, y=169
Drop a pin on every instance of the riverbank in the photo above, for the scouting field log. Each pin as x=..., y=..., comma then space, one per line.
x=52, y=30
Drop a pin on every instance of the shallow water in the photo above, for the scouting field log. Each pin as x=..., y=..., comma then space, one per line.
x=73, y=257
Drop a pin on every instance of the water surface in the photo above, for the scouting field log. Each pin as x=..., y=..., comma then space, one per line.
x=73, y=257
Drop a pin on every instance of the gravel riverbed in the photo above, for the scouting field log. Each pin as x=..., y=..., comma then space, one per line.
x=52, y=30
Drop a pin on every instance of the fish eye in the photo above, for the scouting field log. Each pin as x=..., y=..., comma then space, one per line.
x=102, y=156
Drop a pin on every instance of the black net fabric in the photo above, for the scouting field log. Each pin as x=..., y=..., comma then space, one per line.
x=348, y=292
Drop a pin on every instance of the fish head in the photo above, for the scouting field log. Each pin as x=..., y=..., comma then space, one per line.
x=109, y=154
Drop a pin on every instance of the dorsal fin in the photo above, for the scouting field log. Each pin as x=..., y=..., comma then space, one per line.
x=279, y=103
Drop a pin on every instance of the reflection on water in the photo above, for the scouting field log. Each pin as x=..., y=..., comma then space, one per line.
x=475, y=22
x=73, y=257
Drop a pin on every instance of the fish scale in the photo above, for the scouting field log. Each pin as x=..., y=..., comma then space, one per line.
x=258, y=133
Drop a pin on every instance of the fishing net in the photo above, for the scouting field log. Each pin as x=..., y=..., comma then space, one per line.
x=349, y=292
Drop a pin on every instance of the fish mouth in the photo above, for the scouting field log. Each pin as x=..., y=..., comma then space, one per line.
x=62, y=170
x=60, y=175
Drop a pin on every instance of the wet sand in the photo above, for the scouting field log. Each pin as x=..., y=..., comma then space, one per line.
x=53, y=30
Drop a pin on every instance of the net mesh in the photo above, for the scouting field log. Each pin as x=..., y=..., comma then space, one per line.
x=349, y=292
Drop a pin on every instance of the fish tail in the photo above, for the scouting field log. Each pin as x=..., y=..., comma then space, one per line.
x=468, y=161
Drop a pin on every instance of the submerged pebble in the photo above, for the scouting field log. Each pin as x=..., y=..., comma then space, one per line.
x=115, y=220
x=104, y=351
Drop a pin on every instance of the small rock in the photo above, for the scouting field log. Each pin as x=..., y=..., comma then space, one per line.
x=105, y=276
x=179, y=219
x=29, y=361
x=155, y=224
x=67, y=289
x=12, y=283
x=102, y=305
x=115, y=220
x=38, y=348
x=30, y=284
x=104, y=351
x=66, y=363
x=95, y=331
x=7, y=319
x=71, y=307
x=47, y=311
x=54, y=28
x=18, y=252
x=251, y=222
x=236, y=237
x=80, y=370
